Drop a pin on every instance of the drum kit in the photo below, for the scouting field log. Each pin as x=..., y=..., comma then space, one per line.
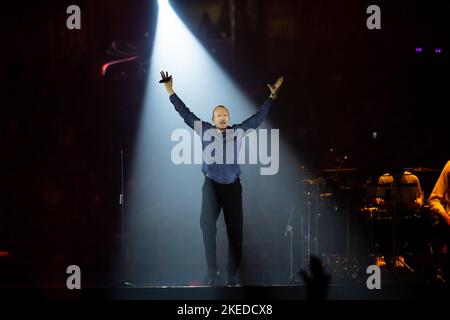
x=352, y=224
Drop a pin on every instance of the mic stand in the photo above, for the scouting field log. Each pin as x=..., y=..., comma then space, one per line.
x=308, y=231
x=124, y=242
x=289, y=229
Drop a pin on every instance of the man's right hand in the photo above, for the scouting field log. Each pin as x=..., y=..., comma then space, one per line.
x=168, y=82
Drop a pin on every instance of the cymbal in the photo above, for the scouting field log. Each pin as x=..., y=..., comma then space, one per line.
x=421, y=169
x=338, y=170
x=317, y=180
x=326, y=194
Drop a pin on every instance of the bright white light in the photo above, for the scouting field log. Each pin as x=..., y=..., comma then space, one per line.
x=163, y=3
x=196, y=74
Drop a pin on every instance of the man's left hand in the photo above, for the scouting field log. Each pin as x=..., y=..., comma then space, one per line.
x=276, y=87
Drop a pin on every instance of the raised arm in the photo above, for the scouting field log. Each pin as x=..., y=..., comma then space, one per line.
x=261, y=114
x=168, y=82
x=188, y=116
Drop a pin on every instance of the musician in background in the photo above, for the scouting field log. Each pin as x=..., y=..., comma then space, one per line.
x=440, y=208
x=402, y=190
x=440, y=196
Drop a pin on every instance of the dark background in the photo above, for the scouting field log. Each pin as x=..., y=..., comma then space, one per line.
x=62, y=123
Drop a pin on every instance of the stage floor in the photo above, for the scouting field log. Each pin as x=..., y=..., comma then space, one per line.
x=395, y=290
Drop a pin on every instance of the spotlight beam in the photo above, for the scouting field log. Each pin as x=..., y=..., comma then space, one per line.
x=166, y=199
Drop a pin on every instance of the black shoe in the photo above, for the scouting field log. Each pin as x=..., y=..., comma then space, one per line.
x=212, y=278
x=233, y=280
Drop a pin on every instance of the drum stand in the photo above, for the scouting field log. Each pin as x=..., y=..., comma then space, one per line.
x=394, y=240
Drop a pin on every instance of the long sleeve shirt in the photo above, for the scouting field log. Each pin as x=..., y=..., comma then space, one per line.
x=440, y=196
x=225, y=172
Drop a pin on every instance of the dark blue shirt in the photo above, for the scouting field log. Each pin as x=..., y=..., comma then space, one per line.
x=224, y=172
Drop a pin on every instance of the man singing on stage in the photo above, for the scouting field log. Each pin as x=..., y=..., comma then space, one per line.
x=222, y=188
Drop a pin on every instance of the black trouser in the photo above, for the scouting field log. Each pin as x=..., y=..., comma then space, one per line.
x=229, y=197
